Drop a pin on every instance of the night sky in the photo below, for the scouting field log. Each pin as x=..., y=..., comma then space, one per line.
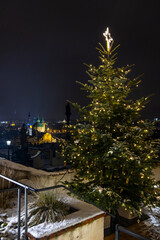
x=43, y=45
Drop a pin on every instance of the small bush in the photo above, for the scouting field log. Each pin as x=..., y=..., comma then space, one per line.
x=47, y=207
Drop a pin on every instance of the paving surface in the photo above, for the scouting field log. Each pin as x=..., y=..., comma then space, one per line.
x=149, y=228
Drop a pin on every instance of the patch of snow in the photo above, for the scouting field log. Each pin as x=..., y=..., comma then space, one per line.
x=155, y=216
x=67, y=199
x=45, y=228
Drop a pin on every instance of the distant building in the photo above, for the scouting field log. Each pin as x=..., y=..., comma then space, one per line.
x=39, y=126
x=47, y=138
x=29, y=125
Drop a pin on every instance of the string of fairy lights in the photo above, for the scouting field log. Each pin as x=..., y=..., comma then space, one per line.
x=112, y=153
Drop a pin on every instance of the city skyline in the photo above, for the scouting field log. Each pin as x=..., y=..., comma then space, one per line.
x=43, y=46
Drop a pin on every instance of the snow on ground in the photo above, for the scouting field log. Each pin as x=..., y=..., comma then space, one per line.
x=153, y=222
x=44, y=229
x=10, y=230
x=9, y=221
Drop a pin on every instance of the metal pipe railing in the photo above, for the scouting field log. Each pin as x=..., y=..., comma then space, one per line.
x=121, y=229
x=26, y=188
x=26, y=212
x=19, y=212
x=8, y=189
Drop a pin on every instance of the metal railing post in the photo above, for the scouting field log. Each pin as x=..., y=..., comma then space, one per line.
x=121, y=229
x=26, y=212
x=19, y=213
x=116, y=232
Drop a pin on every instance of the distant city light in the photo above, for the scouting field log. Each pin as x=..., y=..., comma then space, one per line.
x=8, y=142
x=156, y=119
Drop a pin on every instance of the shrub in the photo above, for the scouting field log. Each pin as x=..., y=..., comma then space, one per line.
x=47, y=207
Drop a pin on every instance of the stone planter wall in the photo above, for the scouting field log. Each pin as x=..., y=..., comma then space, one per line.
x=107, y=222
x=34, y=177
x=89, y=224
x=87, y=230
x=42, y=179
x=126, y=219
x=126, y=214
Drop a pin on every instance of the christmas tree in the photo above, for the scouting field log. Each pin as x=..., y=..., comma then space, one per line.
x=111, y=151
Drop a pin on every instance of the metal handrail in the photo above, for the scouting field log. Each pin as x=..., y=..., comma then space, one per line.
x=121, y=229
x=26, y=188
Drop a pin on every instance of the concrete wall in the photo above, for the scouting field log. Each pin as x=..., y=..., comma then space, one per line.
x=126, y=214
x=34, y=177
x=89, y=224
x=90, y=231
x=39, y=178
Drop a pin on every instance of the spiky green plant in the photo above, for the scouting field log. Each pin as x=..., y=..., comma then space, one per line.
x=47, y=207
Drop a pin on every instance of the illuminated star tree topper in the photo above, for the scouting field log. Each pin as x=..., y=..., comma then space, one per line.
x=108, y=38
